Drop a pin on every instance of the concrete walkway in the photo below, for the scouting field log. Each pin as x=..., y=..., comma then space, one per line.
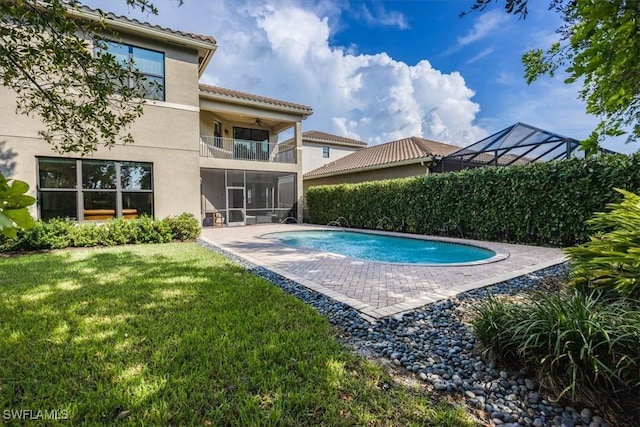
x=376, y=289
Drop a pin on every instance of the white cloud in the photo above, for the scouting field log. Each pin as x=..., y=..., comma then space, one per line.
x=480, y=55
x=381, y=17
x=485, y=25
x=542, y=39
x=283, y=50
x=370, y=97
x=508, y=79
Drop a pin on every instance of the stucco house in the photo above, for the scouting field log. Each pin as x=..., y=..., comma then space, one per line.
x=202, y=149
x=320, y=148
x=396, y=159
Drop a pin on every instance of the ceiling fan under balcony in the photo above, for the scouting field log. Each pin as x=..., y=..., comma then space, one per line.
x=260, y=123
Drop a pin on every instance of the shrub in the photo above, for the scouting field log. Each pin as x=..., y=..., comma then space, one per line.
x=493, y=322
x=146, y=230
x=542, y=203
x=86, y=235
x=582, y=345
x=58, y=233
x=611, y=259
x=117, y=232
x=184, y=226
x=52, y=234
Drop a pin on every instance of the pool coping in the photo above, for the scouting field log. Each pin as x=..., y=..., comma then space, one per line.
x=499, y=253
x=246, y=244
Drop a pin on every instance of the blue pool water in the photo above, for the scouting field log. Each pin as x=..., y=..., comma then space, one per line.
x=376, y=247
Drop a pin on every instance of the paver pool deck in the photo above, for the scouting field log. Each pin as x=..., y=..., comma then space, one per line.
x=376, y=289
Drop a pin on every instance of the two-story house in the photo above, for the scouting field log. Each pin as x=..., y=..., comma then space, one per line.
x=321, y=148
x=206, y=150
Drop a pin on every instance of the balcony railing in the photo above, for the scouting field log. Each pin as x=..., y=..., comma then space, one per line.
x=239, y=149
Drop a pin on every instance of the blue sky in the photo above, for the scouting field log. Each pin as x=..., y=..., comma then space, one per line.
x=384, y=70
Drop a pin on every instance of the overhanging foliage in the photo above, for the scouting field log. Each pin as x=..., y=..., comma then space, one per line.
x=50, y=57
x=598, y=47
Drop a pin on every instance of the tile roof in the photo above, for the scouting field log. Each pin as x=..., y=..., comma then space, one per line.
x=403, y=150
x=109, y=15
x=317, y=136
x=230, y=93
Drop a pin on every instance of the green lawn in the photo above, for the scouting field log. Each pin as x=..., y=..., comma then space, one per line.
x=176, y=335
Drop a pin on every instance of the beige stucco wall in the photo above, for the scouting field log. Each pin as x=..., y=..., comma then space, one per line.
x=166, y=135
x=312, y=154
x=403, y=171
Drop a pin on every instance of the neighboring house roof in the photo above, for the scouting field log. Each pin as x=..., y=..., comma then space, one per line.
x=395, y=153
x=206, y=45
x=244, y=97
x=323, y=137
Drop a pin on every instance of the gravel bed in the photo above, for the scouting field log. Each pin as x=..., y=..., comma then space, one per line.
x=435, y=345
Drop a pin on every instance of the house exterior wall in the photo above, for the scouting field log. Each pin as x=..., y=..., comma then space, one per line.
x=312, y=154
x=403, y=171
x=166, y=135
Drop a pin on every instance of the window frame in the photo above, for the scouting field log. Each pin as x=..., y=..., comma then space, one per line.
x=130, y=58
x=80, y=190
x=251, y=134
x=326, y=152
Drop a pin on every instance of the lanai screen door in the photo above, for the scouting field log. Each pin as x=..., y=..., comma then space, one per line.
x=236, y=205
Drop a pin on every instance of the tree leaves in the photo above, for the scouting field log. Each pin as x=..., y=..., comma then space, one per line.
x=611, y=258
x=47, y=57
x=13, y=206
x=600, y=47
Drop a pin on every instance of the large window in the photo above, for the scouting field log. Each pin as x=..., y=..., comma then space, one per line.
x=94, y=189
x=249, y=134
x=250, y=144
x=148, y=62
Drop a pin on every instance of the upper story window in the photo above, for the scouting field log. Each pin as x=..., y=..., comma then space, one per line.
x=325, y=152
x=148, y=62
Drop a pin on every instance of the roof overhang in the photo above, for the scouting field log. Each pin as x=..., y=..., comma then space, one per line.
x=332, y=142
x=325, y=142
x=430, y=159
x=205, y=48
x=303, y=113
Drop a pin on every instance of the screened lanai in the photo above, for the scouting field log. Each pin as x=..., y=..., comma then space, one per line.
x=518, y=144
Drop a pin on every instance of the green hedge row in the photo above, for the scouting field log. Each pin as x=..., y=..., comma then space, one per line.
x=543, y=204
x=59, y=233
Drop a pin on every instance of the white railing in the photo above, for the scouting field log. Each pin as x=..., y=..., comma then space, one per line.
x=239, y=149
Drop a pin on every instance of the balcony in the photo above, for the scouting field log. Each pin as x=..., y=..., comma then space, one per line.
x=239, y=149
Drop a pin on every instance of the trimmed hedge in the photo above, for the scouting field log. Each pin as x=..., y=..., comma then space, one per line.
x=60, y=233
x=543, y=203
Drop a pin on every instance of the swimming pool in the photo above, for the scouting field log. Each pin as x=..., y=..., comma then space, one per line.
x=384, y=248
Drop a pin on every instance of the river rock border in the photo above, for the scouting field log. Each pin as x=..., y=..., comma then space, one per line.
x=436, y=345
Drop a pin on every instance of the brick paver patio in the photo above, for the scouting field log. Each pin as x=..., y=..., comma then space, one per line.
x=373, y=288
